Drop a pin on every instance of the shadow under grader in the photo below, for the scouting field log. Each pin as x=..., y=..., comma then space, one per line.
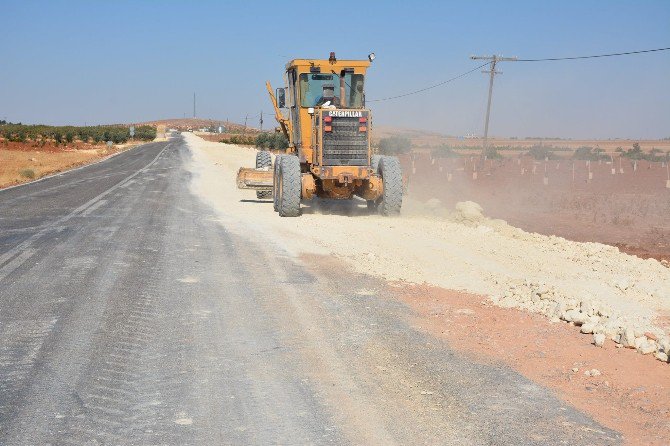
x=354, y=207
x=256, y=201
x=349, y=208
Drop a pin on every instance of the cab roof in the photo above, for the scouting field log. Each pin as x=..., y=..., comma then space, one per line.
x=359, y=66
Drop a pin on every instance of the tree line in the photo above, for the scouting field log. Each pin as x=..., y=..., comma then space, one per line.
x=118, y=134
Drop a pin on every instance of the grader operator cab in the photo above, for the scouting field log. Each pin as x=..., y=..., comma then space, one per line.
x=329, y=153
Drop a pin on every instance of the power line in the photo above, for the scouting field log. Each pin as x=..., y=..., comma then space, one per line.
x=431, y=87
x=592, y=57
x=518, y=60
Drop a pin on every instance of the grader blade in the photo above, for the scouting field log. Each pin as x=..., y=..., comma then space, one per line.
x=256, y=179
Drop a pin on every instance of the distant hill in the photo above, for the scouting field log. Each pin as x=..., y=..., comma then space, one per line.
x=184, y=124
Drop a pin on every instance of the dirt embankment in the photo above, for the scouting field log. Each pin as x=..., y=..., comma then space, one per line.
x=463, y=250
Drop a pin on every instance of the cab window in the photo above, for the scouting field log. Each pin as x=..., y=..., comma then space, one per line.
x=317, y=89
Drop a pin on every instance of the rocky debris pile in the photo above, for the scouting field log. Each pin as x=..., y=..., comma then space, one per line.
x=468, y=212
x=593, y=316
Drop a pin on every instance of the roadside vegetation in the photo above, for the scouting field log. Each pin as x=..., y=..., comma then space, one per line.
x=636, y=153
x=29, y=152
x=542, y=153
x=245, y=140
x=590, y=154
x=27, y=173
x=271, y=141
x=43, y=134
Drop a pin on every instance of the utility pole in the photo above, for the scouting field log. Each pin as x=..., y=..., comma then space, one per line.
x=492, y=72
x=245, y=123
x=193, y=105
x=261, y=120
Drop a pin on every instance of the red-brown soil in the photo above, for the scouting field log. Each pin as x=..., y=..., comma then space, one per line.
x=629, y=209
x=632, y=395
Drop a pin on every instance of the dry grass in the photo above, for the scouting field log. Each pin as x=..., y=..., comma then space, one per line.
x=18, y=166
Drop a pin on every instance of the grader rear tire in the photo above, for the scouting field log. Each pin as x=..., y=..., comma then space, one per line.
x=389, y=170
x=374, y=162
x=290, y=186
x=263, y=159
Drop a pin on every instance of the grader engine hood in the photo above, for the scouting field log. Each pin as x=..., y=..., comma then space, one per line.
x=344, y=137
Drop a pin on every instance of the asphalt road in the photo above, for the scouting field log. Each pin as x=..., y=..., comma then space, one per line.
x=130, y=315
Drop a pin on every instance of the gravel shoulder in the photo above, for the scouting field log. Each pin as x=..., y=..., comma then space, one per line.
x=621, y=297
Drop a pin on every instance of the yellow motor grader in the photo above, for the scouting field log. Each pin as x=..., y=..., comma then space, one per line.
x=329, y=153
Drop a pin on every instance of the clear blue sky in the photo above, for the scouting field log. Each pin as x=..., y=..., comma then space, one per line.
x=70, y=62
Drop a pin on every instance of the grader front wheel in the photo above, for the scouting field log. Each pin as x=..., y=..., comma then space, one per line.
x=289, y=187
x=263, y=159
x=275, y=182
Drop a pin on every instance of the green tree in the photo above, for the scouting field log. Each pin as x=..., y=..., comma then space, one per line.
x=541, y=153
x=589, y=153
x=635, y=153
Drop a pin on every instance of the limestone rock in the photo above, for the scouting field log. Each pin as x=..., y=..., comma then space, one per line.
x=468, y=212
x=639, y=342
x=647, y=347
x=599, y=339
x=661, y=356
x=588, y=328
x=627, y=338
x=579, y=318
